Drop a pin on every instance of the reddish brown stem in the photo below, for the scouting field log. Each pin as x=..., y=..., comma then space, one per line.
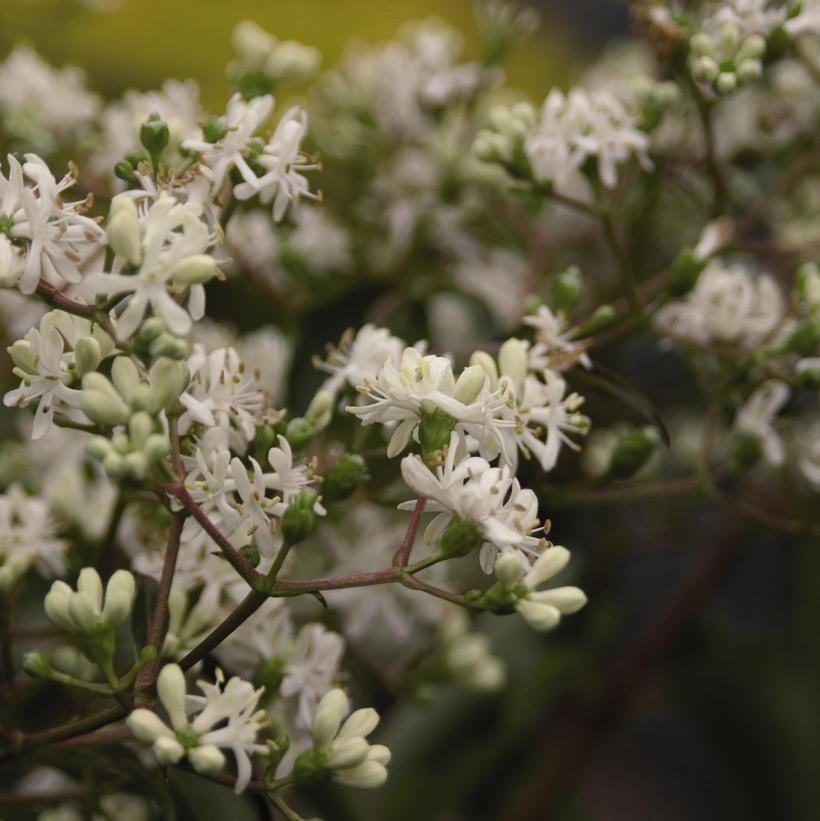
x=402, y=555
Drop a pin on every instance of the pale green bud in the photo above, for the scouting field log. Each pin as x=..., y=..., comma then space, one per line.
x=349, y=753
x=168, y=750
x=114, y=465
x=136, y=465
x=98, y=447
x=169, y=378
x=749, y=70
x=121, y=443
x=140, y=426
x=142, y=398
x=194, y=270
x=82, y=612
x=72, y=662
x=726, y=82
x=126, y=376
x=119, y=598
x=752, y=48
x=146, y=726
x=701, y=44
x=206, y=759
x=367, y=776
x=705, y=69
x=55, y=605
x=22, y=355
x=512, y=360
x=36, y=664
x=102, y=407
x=329, y=715
x=320, y=410
x=87, y=354
x=469, y=384
x=124, y=237
x=156, y=447
x=487, y=364
x=508, y=570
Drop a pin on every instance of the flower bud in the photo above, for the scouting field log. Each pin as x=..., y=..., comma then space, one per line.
x=36, y=664
x=206, y=759
x=251, y=42
x=343, y=477
x=329, y=715
x=123, y=234
x=87, y=354
x=194, y=270
x=460, y=538
x=135, y=465
x=349, y=753
x=299, y=520
x=320, y=410
x=146, y=726
x=603, y=318
x=156, y=446
x=169, y=378
x=154, y=135
x=103, y=408
x=508, y=570
x=367, y=776
x=512, y=361
x=487, y=364
x=119, y=598
x=469, y=384
x=168, y=750
x=126, y=376
x=726, y=82
x=22, y=355
x=140, y=426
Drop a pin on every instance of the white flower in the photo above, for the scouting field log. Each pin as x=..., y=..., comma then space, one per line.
x=266, y=636
x=542, y=609
x=320, y=241
x=360, y=357
x=27, y=538
x=343, y=748
x=46, y=370
x=189, y=624
x=473, y=491
x=283, y=162
x=223, y=395
x=311, y=670
x=241, y=121
x=224, y=717
x=755, y=418
x=54, y=235
x=727, y=305
x=176, y=103
x=174, y=241
x=553, y=348
x=85, y=610
x=583, y=124
x=40, y=102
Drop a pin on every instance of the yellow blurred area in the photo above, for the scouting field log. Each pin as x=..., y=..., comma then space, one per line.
x=143, y=42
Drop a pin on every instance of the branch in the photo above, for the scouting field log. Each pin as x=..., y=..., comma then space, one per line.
x=402, y=555
x=159, y=618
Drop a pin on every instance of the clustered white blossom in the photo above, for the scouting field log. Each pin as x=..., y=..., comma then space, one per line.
x=161, y=450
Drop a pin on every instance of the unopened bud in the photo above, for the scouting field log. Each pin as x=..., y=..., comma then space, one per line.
x=470, y=382
x=567, y=288
x=195, y=270
x=512, y=361
x=87, y=354
x=343, y=477
x=460, y=538
x=299, y=520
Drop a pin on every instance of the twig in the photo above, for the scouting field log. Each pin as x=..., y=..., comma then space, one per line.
x=402, y=555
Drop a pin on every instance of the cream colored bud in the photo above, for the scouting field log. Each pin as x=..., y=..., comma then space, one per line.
x=207, y=758
x=726, y=82
x=169, y=378
x=194, y=270
x=168, y=750
x=360, y=723
x=104, y=408
x=146, y=726
x=320, y=410
x=123, y=236
x=126, y=376
x=508, y=570
x=349, y=753
x=367, y=776
x=87, y=354
x=55, y=605
x=551, y=562
x=82, y=613
x=157, y=446
x=469, y=384
x=140, y=426
x=135, y=465
x=329, y=715
x=171, y=691
x=22, y=355
x=291, y=61
x=537, y=615
x=119, y=598
x=512, y=360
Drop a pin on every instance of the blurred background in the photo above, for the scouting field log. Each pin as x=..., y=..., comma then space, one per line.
x=689, y=689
